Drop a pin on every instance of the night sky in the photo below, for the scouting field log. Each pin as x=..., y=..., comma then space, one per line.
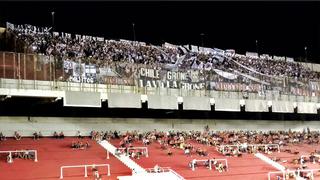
x=281, y=28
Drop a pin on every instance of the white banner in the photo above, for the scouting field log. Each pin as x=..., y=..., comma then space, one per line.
x=90, y=69
x=78, y=69
x=289, y=59
x=279, y=58
x=219, y=52
x=170, y=46
x=194, y=48
x=10, y=26
x=252, y=54
x=226, y=75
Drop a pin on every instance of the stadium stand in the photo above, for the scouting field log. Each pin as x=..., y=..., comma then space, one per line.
x=86, y=71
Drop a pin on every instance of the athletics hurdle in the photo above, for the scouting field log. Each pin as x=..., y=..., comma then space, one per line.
x=247, y=145
x=229, y=146
x=295, y=173
x=17, y=151
x=85, y=168
x=136, y=148
x=163, y=170
x=265, y=146
x=194, y=161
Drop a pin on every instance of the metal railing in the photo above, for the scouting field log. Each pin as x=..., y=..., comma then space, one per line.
x=34, y=71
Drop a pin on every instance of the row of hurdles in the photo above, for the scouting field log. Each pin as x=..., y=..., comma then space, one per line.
x=299, y=174
x=224, y=149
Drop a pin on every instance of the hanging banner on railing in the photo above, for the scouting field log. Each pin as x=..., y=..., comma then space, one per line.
x=225, y=86
x=41, y=67
x=154, y=78
x=289, y=59
x=27, y=28
x=169, y=46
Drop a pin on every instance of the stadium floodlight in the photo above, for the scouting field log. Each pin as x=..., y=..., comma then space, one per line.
x=180, y=100
x=257, y=47
x=242, y=102
x=52, y=18
x=212, y=101
x=144, y=98
x=202, y=40
x=134, y=31
x=2, y=98
x=295, y=104
x=58, y=98
x=306, y=53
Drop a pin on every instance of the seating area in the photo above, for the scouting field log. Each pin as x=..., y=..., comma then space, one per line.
x=159, y=91
x=123, y=62
x=99, y=51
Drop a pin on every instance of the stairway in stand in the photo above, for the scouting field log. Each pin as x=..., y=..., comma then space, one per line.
x=123, y=158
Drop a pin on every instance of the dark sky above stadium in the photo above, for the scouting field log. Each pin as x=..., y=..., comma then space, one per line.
x=281, y=28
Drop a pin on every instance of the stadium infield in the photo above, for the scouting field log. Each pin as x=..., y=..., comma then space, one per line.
x=53, y=153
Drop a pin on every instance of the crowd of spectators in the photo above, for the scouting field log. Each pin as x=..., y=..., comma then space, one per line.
x=58, y=136
x=101, y=52
x=80, y=145
x=187, y=142
x=178, y=139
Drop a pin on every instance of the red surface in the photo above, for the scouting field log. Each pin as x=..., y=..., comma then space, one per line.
x=54, y=153
x=303, y=149
x=247, y=167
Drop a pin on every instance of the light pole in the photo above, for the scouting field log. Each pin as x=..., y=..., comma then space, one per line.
x=134, y=32
x=52, y=20
x=54, y=57
x=306, y=53
x=202, y=40
x=257, y=47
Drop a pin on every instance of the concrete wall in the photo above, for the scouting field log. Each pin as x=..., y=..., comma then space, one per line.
x=47, y=125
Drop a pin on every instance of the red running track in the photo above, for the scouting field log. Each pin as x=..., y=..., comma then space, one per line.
x=53, y=153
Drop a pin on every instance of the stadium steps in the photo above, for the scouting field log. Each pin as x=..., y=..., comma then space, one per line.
x=269, y=161
x=123, y=158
